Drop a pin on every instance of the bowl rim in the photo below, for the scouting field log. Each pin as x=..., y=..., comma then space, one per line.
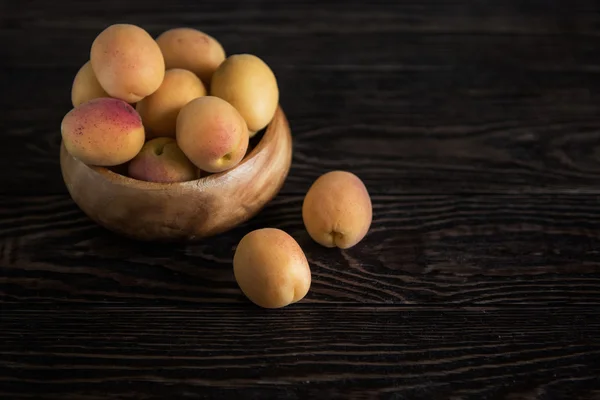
x=268, y=137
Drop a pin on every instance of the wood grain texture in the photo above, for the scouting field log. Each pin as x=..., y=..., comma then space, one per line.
x=513, y=249
x=474, y=125
x=448, y=97
x=353, y=352
x=439, y=134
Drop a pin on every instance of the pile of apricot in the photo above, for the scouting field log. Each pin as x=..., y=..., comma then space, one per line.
x=176, y=108
x=171, y=108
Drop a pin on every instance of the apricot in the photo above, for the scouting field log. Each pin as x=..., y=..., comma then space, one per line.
x=161, y=160
x=191, y=49
x=103, y=132
x=127, y=62
x=247, y=82
x=271, y=269
x=86, y=86
x=212, y=134
x=337, y=210
x=160, y=109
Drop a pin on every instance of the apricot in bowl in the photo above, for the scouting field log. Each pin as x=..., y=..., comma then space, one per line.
x=149, y=152
x=127, y=62
x=161, y=160
x=212, y=134
x=182, y=211
x=103, y=131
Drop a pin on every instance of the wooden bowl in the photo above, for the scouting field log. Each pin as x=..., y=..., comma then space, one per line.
x=188, y=210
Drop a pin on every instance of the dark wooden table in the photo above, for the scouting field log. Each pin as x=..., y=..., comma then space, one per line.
x=475, y=126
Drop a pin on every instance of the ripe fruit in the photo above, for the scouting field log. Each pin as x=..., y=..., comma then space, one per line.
x=193, y=50
x=248, y=84
x=271, y=268
x=86, y=86
x=212, y=134
x=103, y=132
x=337, y=210
x=161, y=160
x=159, y=110
x=127, y=62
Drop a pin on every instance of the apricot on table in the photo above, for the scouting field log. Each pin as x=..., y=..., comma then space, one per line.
x=247, y=82
x=337, y=210
x=271, y=269
x=161, y=160
x=103, y=131
x=160, y=109
x=127, y=62
x=191, y=49
x=212, y=134
x=86, y=86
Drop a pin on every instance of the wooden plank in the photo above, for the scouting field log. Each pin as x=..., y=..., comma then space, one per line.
x=402, y=132
x=525, y=249
x=475, y=126
x=443, y=97
x=351, y=352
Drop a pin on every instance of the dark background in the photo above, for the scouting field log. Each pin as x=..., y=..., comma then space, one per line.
x=475, y=126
